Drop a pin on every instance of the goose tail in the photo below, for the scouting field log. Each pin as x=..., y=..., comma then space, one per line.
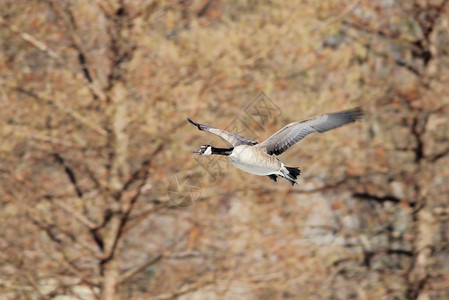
x=291, y=174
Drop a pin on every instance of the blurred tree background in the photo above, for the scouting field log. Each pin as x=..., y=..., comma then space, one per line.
x=101, y=197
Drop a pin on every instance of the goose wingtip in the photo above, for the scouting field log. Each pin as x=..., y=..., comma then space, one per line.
x=357, y=113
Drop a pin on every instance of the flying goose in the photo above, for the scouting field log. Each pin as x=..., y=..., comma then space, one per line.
x=261, y=158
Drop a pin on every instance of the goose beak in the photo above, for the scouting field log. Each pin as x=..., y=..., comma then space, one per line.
x=196, y=152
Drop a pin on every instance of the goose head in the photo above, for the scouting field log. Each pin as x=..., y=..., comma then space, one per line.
x=204, y=150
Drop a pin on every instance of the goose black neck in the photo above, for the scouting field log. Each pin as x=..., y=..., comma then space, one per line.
x=222, y=151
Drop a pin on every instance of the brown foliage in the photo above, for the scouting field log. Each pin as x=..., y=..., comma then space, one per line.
x=102, y=198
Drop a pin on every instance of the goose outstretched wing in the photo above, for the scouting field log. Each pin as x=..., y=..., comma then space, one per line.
x=292, y=133
x=229, y=137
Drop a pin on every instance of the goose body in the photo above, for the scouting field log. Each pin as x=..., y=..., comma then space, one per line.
x=255, y=160
x=261, y=158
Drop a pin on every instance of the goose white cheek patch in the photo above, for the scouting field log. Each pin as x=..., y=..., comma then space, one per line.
x=208, y=151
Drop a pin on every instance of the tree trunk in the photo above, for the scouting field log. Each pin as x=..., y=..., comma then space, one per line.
x=109, y=268
x=423, y=247
x=110, y=279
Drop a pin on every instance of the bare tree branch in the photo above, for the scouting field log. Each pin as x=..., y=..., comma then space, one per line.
x=34, y=284
x=133, y=272
x=187, y=289
x=75, y=115
x=379, y=199
x=349, y=8
x=72, y=212
x=70, y=175
x=440, y=155
x=32, y=40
